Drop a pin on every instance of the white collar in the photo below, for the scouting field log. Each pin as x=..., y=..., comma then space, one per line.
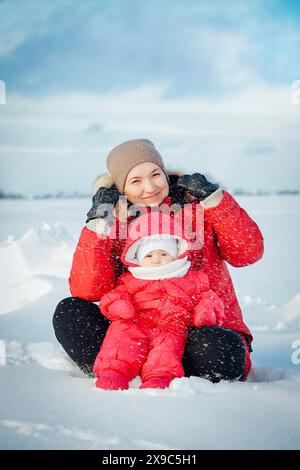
x=177, y=268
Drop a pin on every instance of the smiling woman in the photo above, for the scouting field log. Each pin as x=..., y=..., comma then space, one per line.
x=146, y=184
x=137, y=164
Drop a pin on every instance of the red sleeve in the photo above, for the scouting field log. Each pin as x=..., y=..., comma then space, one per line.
x=92, y=274
x=239, y=239
x=199, y=282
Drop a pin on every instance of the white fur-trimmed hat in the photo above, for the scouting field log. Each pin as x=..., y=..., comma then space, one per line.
x=149, y=244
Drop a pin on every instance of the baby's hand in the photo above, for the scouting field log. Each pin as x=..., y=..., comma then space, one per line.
x=121, y=310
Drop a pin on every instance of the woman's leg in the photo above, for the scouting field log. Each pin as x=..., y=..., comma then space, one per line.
x=80, y=328
x=215, y=353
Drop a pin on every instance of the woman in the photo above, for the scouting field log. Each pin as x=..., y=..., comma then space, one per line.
x=230, y=235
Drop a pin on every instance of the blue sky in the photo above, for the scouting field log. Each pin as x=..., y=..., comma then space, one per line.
x=209, y=82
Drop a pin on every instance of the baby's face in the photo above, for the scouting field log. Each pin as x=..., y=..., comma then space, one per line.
x=157, y=258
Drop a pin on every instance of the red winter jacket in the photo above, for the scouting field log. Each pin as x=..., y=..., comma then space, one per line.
x=230, y=235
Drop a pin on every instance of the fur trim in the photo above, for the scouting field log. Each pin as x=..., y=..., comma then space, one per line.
x=104, y=180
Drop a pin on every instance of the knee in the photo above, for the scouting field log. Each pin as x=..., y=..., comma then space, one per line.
x=72, y=312
x=216, y=338
x=215, y=353
x=63, y=310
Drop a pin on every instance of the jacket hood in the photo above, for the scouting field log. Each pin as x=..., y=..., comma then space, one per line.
x=185, y=210
x=155, y=225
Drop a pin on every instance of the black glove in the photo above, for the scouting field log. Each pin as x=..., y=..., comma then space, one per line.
x=197, y=185
x=104, y=202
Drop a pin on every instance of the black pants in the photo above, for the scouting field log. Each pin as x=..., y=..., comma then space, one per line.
x=211, y=352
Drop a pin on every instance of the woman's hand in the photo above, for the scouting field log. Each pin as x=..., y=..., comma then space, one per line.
x=197, y=185
x=104, y=202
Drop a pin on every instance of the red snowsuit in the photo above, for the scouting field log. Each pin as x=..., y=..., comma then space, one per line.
x=230, y=235
x=150, y=318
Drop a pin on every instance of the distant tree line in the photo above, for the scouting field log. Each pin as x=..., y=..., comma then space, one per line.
x=57, y=195
x=77, y=194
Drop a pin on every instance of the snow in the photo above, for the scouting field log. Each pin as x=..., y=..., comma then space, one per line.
x=47, y=403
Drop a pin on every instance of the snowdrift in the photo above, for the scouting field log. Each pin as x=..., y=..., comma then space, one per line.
x=47, y=403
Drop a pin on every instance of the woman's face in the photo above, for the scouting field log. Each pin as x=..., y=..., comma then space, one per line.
x=146, y=184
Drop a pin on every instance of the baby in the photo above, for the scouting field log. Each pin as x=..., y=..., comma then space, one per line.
x=153, y=307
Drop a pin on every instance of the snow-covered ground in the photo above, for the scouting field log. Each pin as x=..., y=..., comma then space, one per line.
x=46, y=403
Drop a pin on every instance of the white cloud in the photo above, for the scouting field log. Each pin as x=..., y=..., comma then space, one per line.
x=148, y=108
x=199, y=45
x=236, y=129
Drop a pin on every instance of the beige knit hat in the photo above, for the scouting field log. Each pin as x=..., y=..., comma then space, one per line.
x=127, y=155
